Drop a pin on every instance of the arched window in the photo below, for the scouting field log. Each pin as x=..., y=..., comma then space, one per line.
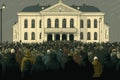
x=25, y=23
x=81, y=35
x=33, y=23
x=88, y=23
x=95, y=23
x=33, y=36
x=25, y=36
x=71, y=23
x=40, y=35
x=64, y=23
x=49, y=23
x=95, y=35
x=88, y=36
x=56, y=23
x=81, y=23
x=40, y=24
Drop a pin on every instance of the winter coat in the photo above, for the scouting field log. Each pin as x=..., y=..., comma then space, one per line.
x=97, y=68
x=28, y=56
x=11, y=69
x=39, y=69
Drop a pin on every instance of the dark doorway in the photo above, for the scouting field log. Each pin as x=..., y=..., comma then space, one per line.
x=64, y=37
x=49, y=37
x=57, y=37
x=71, y=37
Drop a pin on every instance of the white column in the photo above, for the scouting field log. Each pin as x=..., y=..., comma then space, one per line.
x=19, y=21
x=45, y=38
x=68, y=23
x=53, y=36
x=43, y=27
x=60, y=36
x=100, y=30
x=78, y=27
x=68, y=36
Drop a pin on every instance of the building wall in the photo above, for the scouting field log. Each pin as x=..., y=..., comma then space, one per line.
x=15, y=32
x=102, y=29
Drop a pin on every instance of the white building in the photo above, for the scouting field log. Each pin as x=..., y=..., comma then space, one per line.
x=60, y=22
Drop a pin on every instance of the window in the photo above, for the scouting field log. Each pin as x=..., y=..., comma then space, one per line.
x=71, y=23
x=32, y=36
x=25, y=23
x=81, y=35
x=88, y=23
x=88, y=36
x=81, y=23
x=25, y=36
x=49, y=23
x=40, y=35
x=95, y=35
x=95, y=23
x=40, y=24
x=56, y=23
x=33, y=23
x=64, y=23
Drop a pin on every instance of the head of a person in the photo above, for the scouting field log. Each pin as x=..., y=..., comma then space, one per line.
x=95, y=58
x=28, y=53
x=48, y=51
x=12, y=51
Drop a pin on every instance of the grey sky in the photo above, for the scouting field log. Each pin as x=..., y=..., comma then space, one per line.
x=110, y=7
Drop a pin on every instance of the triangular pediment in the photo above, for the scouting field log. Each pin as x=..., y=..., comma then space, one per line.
x=60, y=7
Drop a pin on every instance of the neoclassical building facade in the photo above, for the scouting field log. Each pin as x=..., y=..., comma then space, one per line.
x=60, y=22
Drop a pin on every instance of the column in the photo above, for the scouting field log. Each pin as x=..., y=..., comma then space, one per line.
x=53, y=36
x=43, y=27
x=60, y=36
x=45, y=38
x=68, y=36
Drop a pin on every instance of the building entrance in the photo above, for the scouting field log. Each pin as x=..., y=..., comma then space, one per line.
x=57, y=37
x=64, y=37
x=49, y=37
x=71, y=37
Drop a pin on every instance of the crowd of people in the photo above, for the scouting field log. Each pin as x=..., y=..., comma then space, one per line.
x=60, y=60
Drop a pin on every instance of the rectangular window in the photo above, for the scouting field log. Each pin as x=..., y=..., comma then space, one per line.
x=40, y=24
x=40, y=35
x=81, y=35
x=81, y=23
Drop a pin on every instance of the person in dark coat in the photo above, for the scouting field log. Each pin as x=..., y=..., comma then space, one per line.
x=11, y=69
x=71, y=69
x=1, y=68
x=118, y=70
x=54, y=68
x=109, y=69
x=86, y=68
x=26, y=70
x=39, y=69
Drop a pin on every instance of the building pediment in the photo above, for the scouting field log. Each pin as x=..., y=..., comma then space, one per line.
x=60, y=7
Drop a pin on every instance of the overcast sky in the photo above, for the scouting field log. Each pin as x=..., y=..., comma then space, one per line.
x=110, y=7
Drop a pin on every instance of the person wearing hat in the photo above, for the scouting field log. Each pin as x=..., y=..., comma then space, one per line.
x=97, y=68
x=114, y=52
x=28, y=56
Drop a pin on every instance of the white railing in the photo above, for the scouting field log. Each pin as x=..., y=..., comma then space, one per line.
x=59, y=30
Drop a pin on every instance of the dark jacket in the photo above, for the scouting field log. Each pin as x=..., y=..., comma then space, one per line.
x=11, y=69
x=71, y=69
x=86, y=69
x=39, y=69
